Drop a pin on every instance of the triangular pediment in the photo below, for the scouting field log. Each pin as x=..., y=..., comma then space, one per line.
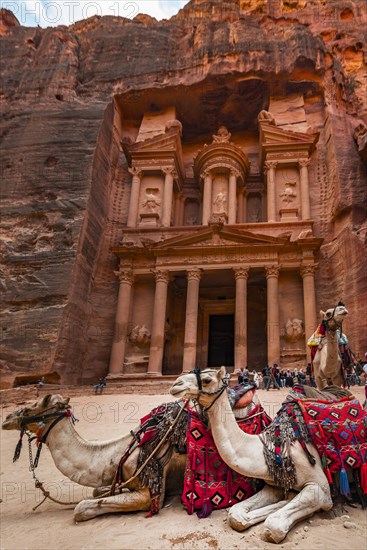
x=210, y=237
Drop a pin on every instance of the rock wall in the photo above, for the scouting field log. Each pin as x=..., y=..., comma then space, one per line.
x=64, y=192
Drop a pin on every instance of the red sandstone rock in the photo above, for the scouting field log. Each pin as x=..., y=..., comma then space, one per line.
x=64, y=179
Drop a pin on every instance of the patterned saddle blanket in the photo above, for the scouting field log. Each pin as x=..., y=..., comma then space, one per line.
x=209, y=483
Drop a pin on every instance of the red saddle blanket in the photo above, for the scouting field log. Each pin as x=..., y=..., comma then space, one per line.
x=209, y=483
x=338, y=430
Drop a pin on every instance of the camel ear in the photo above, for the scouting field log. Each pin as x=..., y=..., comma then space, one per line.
x=46, y=400
x=222, y=372
x=66, y=401
x=322, y=313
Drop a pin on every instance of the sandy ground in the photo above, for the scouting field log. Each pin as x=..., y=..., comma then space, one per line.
x=51, y=527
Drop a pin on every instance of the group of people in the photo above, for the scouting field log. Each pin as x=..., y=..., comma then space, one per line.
x=274, y=377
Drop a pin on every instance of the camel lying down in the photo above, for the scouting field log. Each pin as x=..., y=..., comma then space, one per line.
x=94, y=463
x=244, y=453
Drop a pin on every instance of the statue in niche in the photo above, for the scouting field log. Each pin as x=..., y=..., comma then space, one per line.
x=192, y=220
x=220, y=202
x=255, y=212
x=293, y=330
x=288, y=193
x=151, y=201
x=223, y=136
x=140, y=336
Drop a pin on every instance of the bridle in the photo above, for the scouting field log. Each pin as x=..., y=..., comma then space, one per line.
x=217, y=392
x=56, y=416
x=339, y=325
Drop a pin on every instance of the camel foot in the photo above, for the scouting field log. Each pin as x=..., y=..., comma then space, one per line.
x=88, y=509
x=240, y=518
x=274, y=534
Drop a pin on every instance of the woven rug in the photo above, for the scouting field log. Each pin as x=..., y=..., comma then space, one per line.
x=209, y=483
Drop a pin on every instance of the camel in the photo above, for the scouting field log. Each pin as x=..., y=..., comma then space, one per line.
x=244, y=453
x=327, y=363
x=94, y=463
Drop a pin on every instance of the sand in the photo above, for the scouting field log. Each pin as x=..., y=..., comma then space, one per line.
x=51, y=527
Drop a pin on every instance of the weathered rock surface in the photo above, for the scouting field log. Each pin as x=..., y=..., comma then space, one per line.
x=63, y=176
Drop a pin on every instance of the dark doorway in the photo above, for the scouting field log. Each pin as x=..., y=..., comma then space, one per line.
x=221, y=341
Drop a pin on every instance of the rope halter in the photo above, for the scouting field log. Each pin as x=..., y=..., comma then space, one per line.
x=217, y=392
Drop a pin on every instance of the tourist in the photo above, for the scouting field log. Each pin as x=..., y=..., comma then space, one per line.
x=240, y=374
x=102, y=383
x=256, y=378
x=283, y=378
x=266, y=377
x=288, y=378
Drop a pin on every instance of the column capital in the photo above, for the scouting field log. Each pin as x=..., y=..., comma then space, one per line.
x=169, y=171
x=161, y=275
x=134, y=171
x=304, y=163
x=308, y=270
x=270, y=164
x=241, y=273
x=272, y=271
x=125, y=276
x=234, y=173
x=206, y=174
x=194, y=274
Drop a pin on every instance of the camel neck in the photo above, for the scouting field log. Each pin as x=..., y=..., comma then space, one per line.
x=89, y=463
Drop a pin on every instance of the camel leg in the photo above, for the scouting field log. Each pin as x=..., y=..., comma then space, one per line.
x=129, y=501
x=256, y=508
x=311, y=499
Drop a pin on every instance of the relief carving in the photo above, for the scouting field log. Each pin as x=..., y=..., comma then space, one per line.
x=151, y=200
x=220, y=203
x=140, y=336
x=288, y=193
x=293, y=330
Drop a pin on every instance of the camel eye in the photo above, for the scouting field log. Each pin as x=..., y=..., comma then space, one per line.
x=206, y=380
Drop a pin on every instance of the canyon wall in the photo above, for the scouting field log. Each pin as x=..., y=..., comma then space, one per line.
x=65, y=185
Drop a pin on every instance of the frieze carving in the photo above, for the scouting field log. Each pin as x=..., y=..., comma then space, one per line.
x=296, y=155
x=241, y=273
x=288, y=193
x=272, y=271
x=140, y=336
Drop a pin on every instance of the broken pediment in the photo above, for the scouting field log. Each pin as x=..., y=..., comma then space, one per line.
x=274, y=139
x=162, y=147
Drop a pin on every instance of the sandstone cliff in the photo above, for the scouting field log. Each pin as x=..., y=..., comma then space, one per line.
x=63, y=176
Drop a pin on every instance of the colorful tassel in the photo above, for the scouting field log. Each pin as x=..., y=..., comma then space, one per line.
x=363, y=476
x=207, y=506
x=344, y=483
x=326, y=469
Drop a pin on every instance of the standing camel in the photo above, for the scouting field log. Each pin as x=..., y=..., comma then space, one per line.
x=327, y=363
x=244, y=453
x=94, y=463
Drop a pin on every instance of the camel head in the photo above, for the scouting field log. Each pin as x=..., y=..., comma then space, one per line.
x=212, y=380
x=49, y=404
x=334, y=315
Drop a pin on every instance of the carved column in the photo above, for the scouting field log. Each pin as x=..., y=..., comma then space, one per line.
x=305, y=193
x=121, y=320
x=240, y=203
x=244, y=206
x=177, y=209
x=273, y=332
x=240, y=347
x=134, y=197
x=159, y=322
x=182, y=210
x=232, y=195
x=167, y=196
x=191, y=322
x=207, y=197
x=270, y=170
x=309, y=302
